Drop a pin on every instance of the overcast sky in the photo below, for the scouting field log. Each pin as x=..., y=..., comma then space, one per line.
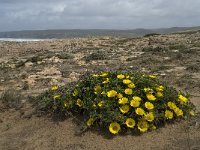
x=97, y=14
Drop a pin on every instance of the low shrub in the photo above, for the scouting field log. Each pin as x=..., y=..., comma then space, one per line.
x=151, y=34
x=120, y=101
x=11, y=98
x=177, y=46
x=154, y=49
x=98, y=55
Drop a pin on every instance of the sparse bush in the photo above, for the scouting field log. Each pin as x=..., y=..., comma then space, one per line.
x=98, y=55
x=35, y=59
x=4, y=66
x=178, y=56
x=64, y=56
x=11, y=98
x=193, y=67
x=153, y=49
x=120, y=101
x=177, y=47
x=151, y=34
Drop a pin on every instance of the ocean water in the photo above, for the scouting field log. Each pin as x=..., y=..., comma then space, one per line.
x=22, y=40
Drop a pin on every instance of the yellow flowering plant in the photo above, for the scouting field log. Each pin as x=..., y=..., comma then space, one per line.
x=119, y=101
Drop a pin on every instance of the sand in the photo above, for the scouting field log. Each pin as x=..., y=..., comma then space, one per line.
x=33, y=67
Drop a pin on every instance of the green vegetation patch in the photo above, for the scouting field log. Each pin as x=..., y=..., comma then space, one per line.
x=120, y=101
x=98, y=55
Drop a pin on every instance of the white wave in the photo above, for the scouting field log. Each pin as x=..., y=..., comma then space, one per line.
x=22, y=40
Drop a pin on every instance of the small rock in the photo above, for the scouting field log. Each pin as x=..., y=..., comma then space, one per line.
x=166, y=58
x=163, y=74
x=28, y=64
x=176, y=50
x=54, y=82
x=39, y=62
x=12, y=66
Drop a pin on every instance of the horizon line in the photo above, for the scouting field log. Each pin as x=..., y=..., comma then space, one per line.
x=115, y=29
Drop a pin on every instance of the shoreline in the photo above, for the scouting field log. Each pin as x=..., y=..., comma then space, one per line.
x=23, y=40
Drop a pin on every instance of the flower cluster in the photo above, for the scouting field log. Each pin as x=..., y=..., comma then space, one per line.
x=117, y=101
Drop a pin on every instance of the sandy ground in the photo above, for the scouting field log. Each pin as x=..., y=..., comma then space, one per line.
x=31, y=68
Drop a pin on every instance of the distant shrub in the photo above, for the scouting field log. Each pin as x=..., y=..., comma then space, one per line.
x=153, y=49
x=64, y=56
x=120, y=101
x=177, y=47
x=151, y=34
x=11, y=98
x=193, y=67
x=98, y=55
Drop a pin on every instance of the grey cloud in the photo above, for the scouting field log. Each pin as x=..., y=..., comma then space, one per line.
x=117, y=14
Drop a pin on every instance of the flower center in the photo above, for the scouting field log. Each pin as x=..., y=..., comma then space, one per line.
x=115, y=128
x=130, y=123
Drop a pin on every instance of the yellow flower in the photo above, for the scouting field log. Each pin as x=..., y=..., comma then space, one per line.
x=126, y=81
x=171, y=105
x=120, y=76
x=140, y=111
x=182, y=99
x=54, y=88
x=178, y=112
x=90, y=122
x=143, y=126
x=94, y=105
x=192, y=113
x=119, y=95
x=149, y=105
x=97, y=89
x=127, y=77
x=130, y=123
x=135, y=103
x=75, y=93
x=128, y=91
x=103, y=93
x=106, y=81
x=101, y=103
x=149, y=117
x=66, y=103
x=160, y=88
x=151, y=97
x=153, y=127
x=137, y=98
x=148, y=90
x=114, y=127
x=104, y=74
x=168, y=114
x=95, y=75
x=79, y=102
x=159, y=94
x=112, y=93
x=131, y=85
x=124, y=108
x=123, y=100
x=56, y=97
x=152, y=76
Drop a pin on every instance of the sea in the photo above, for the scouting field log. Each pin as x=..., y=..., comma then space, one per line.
x=22, y=40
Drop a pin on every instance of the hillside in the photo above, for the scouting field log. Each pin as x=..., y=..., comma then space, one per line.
x=59, y=34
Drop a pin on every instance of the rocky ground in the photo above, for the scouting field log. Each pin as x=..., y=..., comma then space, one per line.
x=29, y=68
